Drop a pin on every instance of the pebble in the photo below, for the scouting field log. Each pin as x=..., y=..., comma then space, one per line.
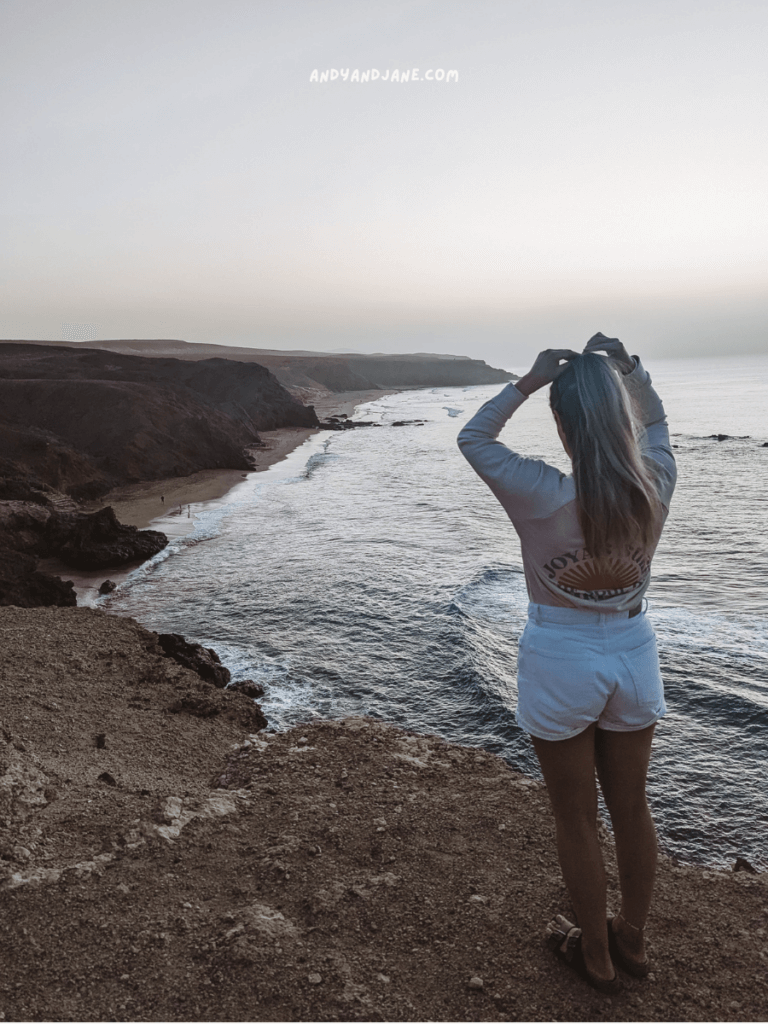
x=475, y=982
x=314, y=979
x=171, y=808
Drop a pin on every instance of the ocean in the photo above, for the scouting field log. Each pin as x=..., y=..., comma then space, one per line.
x=373, y=573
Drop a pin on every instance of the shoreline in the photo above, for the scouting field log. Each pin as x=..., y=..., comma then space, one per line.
x=140, y=504
x=165, y=505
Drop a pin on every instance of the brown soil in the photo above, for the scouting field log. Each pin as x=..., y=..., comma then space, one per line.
x=162, y=866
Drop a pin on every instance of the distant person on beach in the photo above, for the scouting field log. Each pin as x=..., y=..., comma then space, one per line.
x=589, y=686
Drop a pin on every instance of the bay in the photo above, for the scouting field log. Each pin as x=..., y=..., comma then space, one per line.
x=373, y=573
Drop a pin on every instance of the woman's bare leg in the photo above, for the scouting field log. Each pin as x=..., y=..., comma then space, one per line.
x=622, y=766
x=569, y=772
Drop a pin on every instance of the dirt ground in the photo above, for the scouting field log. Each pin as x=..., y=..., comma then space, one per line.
x=157, y=865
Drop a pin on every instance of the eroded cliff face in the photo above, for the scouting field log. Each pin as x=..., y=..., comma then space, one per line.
x=82, y=421
x=336, y=372
x=29, y=530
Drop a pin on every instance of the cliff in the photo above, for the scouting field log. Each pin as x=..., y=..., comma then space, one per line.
x=333, y=372
x=82, y=421
x=163, y=859
x=31, y=530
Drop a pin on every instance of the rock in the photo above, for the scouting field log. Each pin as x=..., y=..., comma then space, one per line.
x=475, y=983
x=202, y=660
x=314, y=979
x=764, y=444
x=195, y=704
x=99, y=540
x=207, y=705
x=743, y=865
x=107, y=587
x=101, y=741
x=171, y=808
x=22, y=585
x=335, y=424
x=22, y=526
x=109, y=779
x=408, y=423
x=248, y=687
x=719, y=437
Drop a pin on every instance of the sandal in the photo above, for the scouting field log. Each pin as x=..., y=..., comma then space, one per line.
x=637, y=968
x=560, y=932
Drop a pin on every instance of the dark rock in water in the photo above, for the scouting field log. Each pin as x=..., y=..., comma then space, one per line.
x=107, y=587
x=337, y=424
x=744, y=865
x=200, y=659
x=248, y=687
x=764, y=444
x=99, y=540
x=23, y=586
x=408, y=423
x=720, y=437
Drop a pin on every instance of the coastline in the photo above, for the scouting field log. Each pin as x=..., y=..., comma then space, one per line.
x=187, y=868
x=140, y=504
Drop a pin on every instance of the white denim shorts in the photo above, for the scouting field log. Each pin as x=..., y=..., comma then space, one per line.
x=577, y=667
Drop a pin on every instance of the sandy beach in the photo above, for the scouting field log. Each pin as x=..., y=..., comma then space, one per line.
x=139, y=504
x=166, y=505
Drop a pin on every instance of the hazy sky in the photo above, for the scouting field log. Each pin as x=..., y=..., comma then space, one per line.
x=169, y=170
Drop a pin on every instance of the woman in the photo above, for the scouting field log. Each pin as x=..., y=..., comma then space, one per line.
x=589, y=686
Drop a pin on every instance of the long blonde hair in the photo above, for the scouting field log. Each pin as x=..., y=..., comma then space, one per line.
x=618, y=504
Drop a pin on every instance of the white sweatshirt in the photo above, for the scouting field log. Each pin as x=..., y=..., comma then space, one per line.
x=541, y=502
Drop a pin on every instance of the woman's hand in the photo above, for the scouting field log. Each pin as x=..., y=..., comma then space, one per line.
x=613, y=348
x=544, y=370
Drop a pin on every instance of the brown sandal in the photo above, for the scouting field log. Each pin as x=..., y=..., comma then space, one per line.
x=573, y=956
x=637, y=968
